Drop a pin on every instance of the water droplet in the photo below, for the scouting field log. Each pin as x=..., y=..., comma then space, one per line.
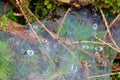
x=22, y=50
x=55, y=46
x=95, y=26
x=91, y=47
x=94, y=34
x=98, y=48
x=94, y=9
x=95, y=15
x=30, y=52
x=85, y=46
x=17, y=43
x=12, y=40
x=69, y=32
x=35, y=27
x=85, y=13
x=27, y=45
x=45, y=40
x=48, y=49
x=74, y=68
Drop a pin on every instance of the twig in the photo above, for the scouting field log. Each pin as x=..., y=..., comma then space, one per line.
x=25, y=11
x=108, y=30
x=90, y=42
x=116, y=18
x=61, y=24
x=108, y=45
x=86, y=68
x=103, y=75
x=86, y=52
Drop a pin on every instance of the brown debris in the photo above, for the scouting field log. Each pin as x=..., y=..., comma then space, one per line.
x=19, y=31
x=78, y=2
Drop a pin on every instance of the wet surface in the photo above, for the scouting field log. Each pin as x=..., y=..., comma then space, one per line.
x=48, y=60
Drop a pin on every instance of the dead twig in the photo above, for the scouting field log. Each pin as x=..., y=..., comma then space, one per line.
x=108, y=45
x=108, y=30
x=27, y=13
x=86, y=68
x=91, y=77
x=61, y=24
x=112, y=23
x=116, y=18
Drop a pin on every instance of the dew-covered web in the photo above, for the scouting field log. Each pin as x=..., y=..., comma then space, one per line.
x=50, y=60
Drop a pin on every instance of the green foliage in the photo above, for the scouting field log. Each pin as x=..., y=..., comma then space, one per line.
x=3, y=24
x=6, y=62
x=11, y=16
x=115, y=77
x=44, y=7
x=112, y=5
x=77, y=31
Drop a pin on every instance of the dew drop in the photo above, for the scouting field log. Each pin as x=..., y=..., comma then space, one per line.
x=74, y=68
x=94, y=9
x=98, y=48
x=45, y=40
x=94, y=34
x=95, y=15
x=30, y=52
x=35, y=27
x=48, y=49
x=95, y=26
x=85, y=46
x=85, y=13
x=12, y=40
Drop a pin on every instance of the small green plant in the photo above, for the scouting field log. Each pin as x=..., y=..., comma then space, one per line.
x=11, y=16
x=6, y=62
x=111, y=5
x=42, y=8
x=3, y=23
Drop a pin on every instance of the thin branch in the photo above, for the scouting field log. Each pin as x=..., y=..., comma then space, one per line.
x=90, y=42
x=112, y=23
x=25, y=11
x=108, y=30
x=116, y=18
x=86, y=52
x=103, y=75
x=108, y=45
x=61, y=24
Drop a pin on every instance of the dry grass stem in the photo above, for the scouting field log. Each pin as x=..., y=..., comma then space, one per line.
x=61, y=24
x=111, y=24
x=89, y=42
x=91, y=77
x=116, y=18
x=36, y=19
x=108, y=30
x=109, y=45
x=86, y=52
